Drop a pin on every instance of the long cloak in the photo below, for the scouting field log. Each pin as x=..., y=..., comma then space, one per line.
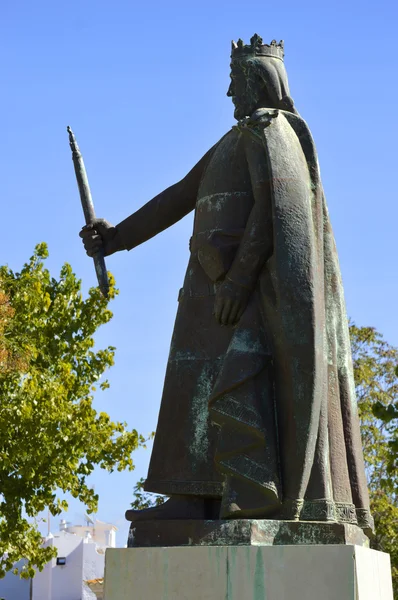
x=320, y=475
x=264, y=414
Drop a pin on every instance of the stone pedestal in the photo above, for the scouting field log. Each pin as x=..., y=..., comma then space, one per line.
x=303, y=572
x=242, y=532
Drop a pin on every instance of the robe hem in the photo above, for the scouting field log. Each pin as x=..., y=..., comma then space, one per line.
x=192, y=488
x=327, y=510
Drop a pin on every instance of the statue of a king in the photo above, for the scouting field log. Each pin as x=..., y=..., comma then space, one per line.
x=258, y=417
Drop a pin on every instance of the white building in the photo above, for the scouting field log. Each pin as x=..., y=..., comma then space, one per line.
x=80, y=558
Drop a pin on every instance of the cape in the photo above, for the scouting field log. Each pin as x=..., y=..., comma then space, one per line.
x=319, y=470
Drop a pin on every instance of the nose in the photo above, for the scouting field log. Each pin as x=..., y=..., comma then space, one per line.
x=230, y=92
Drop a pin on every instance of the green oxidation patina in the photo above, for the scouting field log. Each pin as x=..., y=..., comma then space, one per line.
x=216, y=201
x=243, y=341
x=200, y=416
x=247, y=532
x=219, y=556
x=259, y=577
x=258, y=411
x=184, y=355
x=231, y=571
x=247, y=555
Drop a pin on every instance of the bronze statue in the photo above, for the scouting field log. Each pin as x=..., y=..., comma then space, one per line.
x=258, y=416
x=88, y=210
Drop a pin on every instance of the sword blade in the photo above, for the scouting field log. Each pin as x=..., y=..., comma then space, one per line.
x=88, y=209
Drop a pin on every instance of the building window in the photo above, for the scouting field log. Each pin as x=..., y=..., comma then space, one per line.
x=61, y=561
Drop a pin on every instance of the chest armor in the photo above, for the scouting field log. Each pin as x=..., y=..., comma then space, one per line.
x=225, y=196
x=223, y=205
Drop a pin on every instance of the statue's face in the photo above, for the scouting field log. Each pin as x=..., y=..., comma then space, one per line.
x=240, y=92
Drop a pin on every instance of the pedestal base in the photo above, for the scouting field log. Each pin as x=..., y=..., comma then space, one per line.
x=246, y=532
x=334, y=572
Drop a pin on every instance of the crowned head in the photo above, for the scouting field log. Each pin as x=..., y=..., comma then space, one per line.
x=256, y=47
x=258, y=76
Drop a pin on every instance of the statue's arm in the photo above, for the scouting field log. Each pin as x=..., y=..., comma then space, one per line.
x=164, y=210
x=256, y=245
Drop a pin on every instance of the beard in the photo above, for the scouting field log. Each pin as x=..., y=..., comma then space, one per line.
x=242, y=110
x=247, y=102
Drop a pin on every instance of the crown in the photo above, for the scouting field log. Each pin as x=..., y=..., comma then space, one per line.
x=257, y=48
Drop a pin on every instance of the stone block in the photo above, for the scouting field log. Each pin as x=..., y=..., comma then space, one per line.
x=246, y=532
x=306, y=572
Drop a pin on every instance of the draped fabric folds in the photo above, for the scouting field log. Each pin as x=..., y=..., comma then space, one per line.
x=284, y=400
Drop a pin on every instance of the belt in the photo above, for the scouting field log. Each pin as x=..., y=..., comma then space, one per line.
x=188, y=293
x=225, y=236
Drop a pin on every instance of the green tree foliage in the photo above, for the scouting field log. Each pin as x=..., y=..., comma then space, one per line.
x=144, y=499
x=376, y=379
x=51, y=437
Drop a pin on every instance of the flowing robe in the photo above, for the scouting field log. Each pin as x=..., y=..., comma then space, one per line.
x=262, y=414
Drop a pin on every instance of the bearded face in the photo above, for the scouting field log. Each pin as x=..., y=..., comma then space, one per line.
x=240, y=92
x=247, y=90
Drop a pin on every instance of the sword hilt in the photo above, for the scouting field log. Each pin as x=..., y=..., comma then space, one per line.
x=88, y=209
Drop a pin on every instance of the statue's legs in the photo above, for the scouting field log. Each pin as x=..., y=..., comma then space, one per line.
x=182, y=461
x=187, y=439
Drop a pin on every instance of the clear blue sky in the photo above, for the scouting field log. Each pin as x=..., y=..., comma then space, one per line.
x=143, y=86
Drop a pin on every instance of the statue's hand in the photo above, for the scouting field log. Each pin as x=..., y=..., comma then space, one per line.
x=231, y=301
x=100, y=235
